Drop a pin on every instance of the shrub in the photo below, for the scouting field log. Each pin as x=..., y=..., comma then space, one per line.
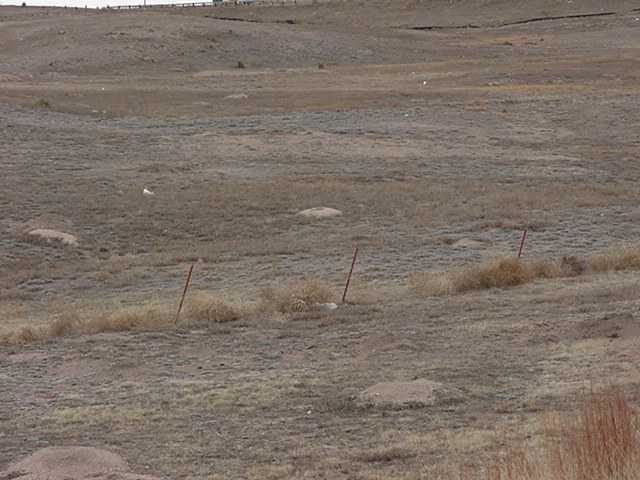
x=42, y=103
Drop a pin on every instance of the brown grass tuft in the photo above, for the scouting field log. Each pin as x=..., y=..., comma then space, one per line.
x=139, y=318
x=511, y=272
x=26, y=335
x=500, y=273
x=64, y=324
x=211, y=309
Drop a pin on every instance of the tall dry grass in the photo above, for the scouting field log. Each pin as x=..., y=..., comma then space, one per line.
x=203, y=308
x=70, y=322
x=299, y=296
x=511, y=272
x=600, y=442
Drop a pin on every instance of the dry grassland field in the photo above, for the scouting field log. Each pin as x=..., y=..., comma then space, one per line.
x=439, y=129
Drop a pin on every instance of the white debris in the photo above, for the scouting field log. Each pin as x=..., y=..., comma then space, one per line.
x=146, y=191
x=237, y=96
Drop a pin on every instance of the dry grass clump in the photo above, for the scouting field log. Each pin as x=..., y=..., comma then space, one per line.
x=70, y=322
x=140, y=318
x=615, y=260
x=24, y=336
x=299, y=296
x=500, y=273
x=212, y=309
x=601, y=442
x=64, y=324
x=511, y=272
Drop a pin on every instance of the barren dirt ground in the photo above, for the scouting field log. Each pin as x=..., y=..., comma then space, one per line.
x=438, y=144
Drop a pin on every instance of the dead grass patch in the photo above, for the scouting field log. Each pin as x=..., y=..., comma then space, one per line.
x=615, y=260
x=511, y=272
x=297, y=297
x=141, y=318
x=499, y=273
x=70, y=322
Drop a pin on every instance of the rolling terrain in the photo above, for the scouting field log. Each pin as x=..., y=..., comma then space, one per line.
x=440, y=129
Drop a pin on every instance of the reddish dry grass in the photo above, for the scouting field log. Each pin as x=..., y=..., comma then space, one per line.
x=600, y=442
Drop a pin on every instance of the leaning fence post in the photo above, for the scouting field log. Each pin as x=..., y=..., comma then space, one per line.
x=524, y=237
x=184, y=292
x=353, y=263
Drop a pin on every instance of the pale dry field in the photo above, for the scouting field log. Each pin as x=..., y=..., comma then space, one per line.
x=438, y=145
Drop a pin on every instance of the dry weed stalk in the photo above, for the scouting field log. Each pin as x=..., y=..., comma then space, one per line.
x=600, y=442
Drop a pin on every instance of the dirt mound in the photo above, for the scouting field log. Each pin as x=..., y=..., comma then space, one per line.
x=320, y=212
x=49, y=236
x=71, y=463
x=420, y=392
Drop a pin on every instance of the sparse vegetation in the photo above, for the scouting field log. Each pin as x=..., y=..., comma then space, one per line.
x=42, y=103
